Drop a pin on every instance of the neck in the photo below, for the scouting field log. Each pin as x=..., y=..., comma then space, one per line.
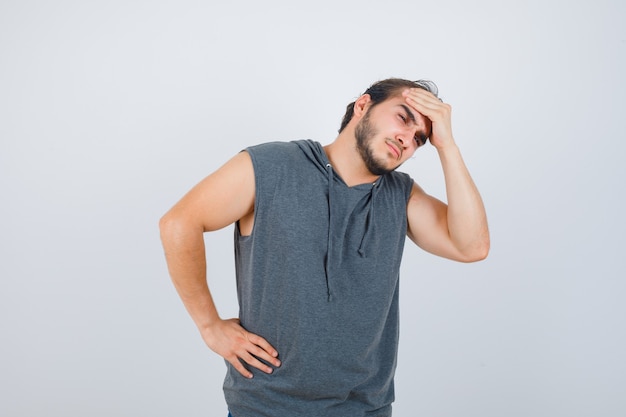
x=346, y=160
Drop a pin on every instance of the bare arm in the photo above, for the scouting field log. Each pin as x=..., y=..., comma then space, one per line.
x=459, y=229
x=219, y=200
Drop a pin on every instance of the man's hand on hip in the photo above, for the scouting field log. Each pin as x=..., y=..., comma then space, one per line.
x=230, y=340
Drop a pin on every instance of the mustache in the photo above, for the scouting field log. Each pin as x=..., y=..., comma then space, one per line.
x=398, y=146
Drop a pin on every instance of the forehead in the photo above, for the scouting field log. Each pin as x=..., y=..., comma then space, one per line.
x=397, y=102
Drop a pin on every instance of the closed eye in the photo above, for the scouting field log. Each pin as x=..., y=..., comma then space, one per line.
x=419, y=138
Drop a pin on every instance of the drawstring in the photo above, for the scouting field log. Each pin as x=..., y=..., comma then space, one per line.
x=334, y=255
x=329, y=170
x=369, y=224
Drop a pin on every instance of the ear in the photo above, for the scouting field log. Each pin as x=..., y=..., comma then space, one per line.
x=361, y=105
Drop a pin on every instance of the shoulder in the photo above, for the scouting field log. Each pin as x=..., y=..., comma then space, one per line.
x=220, y=199
x=276, y=156
x=400, y=181
x=274, y=145
x=269, y=149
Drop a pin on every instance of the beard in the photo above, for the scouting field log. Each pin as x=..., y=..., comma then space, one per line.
x=364, y=134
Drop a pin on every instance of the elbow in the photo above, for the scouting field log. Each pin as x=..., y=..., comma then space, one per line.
x=478, y=252
x=165, y=224
x=482, y=253
x=176, y=226
x=170, y=225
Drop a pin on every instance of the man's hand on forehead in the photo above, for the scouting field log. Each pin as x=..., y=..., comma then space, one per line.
x=438, y=112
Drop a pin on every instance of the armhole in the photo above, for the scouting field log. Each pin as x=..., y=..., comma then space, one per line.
x=255, y=204
x=409, y=182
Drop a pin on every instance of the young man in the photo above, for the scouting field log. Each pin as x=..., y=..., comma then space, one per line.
x=319, y=235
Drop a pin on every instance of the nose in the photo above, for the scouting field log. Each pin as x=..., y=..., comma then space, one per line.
x=405, y=137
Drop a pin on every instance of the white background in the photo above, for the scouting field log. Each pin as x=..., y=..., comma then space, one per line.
x=111, y=110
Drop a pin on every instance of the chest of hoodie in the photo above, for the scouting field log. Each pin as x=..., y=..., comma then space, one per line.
x=320, y=235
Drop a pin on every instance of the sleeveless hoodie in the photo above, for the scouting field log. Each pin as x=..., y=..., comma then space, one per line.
x=318, y=279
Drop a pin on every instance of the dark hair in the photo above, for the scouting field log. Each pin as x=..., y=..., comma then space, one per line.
x=382, y=90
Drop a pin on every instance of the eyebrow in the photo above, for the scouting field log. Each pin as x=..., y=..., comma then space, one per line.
x=409, y=113
x=422, y=136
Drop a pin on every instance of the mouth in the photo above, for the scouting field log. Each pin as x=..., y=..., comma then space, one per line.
x=396, y=150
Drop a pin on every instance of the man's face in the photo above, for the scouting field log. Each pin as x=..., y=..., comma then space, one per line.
x=389, y=133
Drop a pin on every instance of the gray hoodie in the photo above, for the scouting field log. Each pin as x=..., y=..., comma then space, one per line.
x=318, y=278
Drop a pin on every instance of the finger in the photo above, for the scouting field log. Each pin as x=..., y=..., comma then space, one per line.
x=423, y=97
x=264, y=355
x=435, y=111
x=263, y=344
x=236, y=363
x=425, y=101
x=256, y=363
x=420, y=92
